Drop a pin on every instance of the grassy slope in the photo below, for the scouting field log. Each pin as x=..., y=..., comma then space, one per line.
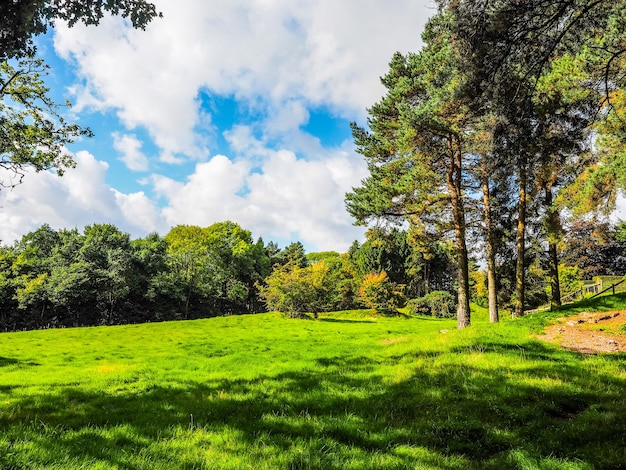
x=346, y=391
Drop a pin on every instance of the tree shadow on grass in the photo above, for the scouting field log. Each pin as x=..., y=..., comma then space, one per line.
x=476, y=415
x=8, y=361
x=533, y=349
x=344, y=320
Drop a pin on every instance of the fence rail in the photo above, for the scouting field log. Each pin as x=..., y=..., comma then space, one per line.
x=596, y=289
x=611, y=287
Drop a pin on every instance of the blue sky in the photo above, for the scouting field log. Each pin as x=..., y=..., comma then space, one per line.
x=224, y=110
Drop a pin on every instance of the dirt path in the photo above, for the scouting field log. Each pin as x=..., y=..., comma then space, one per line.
x=589, y=333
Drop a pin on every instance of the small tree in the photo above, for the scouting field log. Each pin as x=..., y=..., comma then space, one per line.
x=286, y=290
x=295, y=290
x=379, y=293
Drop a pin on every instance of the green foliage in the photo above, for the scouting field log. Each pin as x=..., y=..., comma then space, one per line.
x=379, y=293
x=65, y=278
x=570, y=279
x=409, y=258
x=34, y=133
x=440, y=304
x=479, y=288
x=296, y=290
x=595, y=248
x=293, y=254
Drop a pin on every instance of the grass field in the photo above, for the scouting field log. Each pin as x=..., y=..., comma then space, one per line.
x=346, y=391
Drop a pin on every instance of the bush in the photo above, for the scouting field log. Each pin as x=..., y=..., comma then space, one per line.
x=379, y=293
x=570, y=279
x=438, y=303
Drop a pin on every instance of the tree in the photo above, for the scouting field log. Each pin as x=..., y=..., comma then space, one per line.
x=341, y=279
x=416, y=149
x=243, y=262
x=379, y=293
x=490, y=176
x=149, y=261
x=293, y=253
x=106, y=252
x=66, y=278
x=595, y=248
x=31, y=268
x=296, y=290
x=194, y=277
x=415, y=260
x=21, y=20
x=508, y=50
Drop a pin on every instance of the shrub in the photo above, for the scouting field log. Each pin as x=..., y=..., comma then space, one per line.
x=438, y=303
x=570, y=279
x=379, y=293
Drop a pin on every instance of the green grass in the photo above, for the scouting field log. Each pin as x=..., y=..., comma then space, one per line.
x=346, y=391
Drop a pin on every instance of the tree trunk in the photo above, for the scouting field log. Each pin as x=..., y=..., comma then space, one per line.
x=521, y=242
x=552, y=224
x=490, y=252
x=454, y=180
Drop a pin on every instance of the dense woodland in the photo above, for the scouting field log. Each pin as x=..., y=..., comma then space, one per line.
x=100, y=276
x=57, y=278
x=495, y=159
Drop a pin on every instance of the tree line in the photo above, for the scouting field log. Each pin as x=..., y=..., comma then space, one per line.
x=506, y=127
x=100, y=276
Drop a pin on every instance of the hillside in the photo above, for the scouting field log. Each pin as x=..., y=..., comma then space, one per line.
x=345, y=391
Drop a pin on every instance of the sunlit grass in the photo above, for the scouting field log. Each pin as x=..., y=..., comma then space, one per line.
x=349, y=390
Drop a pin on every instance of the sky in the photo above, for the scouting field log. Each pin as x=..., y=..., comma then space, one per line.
x=225, y=110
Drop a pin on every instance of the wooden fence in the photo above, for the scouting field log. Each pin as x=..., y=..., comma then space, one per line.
x=599, y=285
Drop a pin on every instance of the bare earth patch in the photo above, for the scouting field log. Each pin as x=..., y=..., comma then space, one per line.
x=401, y=339
x=589, y=332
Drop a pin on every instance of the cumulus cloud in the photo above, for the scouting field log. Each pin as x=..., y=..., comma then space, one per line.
x=284, y=199
x=130, y=148
x=81, y=197
x=287, y=198
x=279, y=54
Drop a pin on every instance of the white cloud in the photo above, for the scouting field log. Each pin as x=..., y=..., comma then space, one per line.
x=279, y=53
x=130, y=148
x=208, y=196
x=287, y=199
x=81, y=197
x=139, y=209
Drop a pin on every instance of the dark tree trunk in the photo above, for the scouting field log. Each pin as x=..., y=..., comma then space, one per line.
x=490, y=252
x=552, y=224
x=520, y=277
x=454, y=180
